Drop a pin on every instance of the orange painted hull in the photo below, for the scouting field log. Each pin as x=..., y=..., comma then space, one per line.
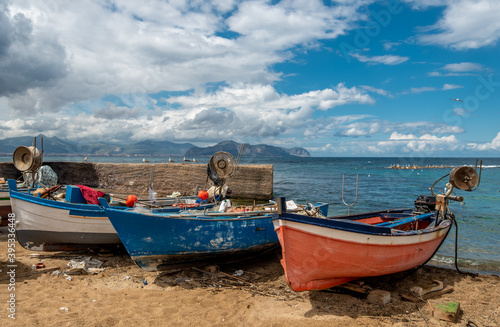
x=317, y=257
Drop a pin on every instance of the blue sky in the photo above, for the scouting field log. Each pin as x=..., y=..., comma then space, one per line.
x=339, y=78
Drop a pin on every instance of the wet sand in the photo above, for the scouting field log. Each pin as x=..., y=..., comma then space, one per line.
x=124, y=295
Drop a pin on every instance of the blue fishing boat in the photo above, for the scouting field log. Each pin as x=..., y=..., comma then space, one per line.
x=68, y=222
x=158, y=241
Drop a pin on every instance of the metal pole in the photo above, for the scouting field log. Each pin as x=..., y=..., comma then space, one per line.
x=356, y=200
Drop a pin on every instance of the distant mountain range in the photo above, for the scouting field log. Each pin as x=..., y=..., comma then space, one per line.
x=54, y=146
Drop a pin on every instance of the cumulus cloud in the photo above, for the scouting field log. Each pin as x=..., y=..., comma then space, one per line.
x=112, y=111
x=368, y=127
x=426, y=143
x=242, y=112
x=259, y=98
x=494, y=145
x=55, y=54
x=208, y=70
x=29, y=60
x=466, y=24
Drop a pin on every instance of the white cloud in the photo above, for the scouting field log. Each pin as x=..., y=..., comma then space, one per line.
x=242, y=111
x=361, y=128
x=426, y=143
x=385, y=60
x=256, y=98
x=207, y=70
x=464, y=67
x=460, y=112
x=398, y=136
x=466, y=24
x=422, y=89
x=451, y=87
x=290, y=22
x=494, y=145
x=424, y=4
x=388, y=46
x=87, y=49
x=376, y=90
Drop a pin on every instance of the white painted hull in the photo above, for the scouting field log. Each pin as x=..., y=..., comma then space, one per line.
x=42, y=222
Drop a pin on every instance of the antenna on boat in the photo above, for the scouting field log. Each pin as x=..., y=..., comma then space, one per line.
x=240, y=152
x=151, y=192
x=356, y=200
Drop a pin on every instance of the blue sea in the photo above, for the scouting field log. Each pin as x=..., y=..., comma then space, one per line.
x=379, y=187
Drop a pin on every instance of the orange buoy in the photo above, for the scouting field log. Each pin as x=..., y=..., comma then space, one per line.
x=203, y=194
x=131, y=200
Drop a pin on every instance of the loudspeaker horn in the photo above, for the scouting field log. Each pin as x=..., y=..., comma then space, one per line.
x=27, y=158
x=464, y=178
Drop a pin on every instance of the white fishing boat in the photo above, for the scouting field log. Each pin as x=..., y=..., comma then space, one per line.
x=44, y=224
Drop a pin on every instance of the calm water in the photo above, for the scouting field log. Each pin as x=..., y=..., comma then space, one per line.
x=320, y=179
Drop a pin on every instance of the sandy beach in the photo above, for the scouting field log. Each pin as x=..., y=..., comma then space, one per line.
x=250, y=293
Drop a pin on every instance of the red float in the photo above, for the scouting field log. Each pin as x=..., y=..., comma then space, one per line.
x=131, y=200
x=203, y=195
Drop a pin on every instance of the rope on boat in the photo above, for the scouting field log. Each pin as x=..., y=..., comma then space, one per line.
x=452, y=217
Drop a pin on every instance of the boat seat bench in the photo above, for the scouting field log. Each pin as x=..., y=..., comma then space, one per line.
x=392, y=224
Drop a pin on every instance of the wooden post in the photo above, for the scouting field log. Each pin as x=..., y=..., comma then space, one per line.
x=281, y=202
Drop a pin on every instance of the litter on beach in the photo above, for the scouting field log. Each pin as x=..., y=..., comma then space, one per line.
x=85, y=265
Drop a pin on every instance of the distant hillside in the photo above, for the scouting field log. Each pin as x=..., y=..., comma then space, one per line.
x=143, y=148
x=54, y=146
x=260, y=150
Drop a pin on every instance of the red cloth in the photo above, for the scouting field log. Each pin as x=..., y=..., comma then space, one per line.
x=90, y=195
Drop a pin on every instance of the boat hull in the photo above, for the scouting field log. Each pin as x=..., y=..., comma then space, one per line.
x=162, y=241
x=5, y=207
x=322, y=254
x=45, y=225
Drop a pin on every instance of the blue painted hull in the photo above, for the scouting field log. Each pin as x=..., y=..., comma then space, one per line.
x=157, y=242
